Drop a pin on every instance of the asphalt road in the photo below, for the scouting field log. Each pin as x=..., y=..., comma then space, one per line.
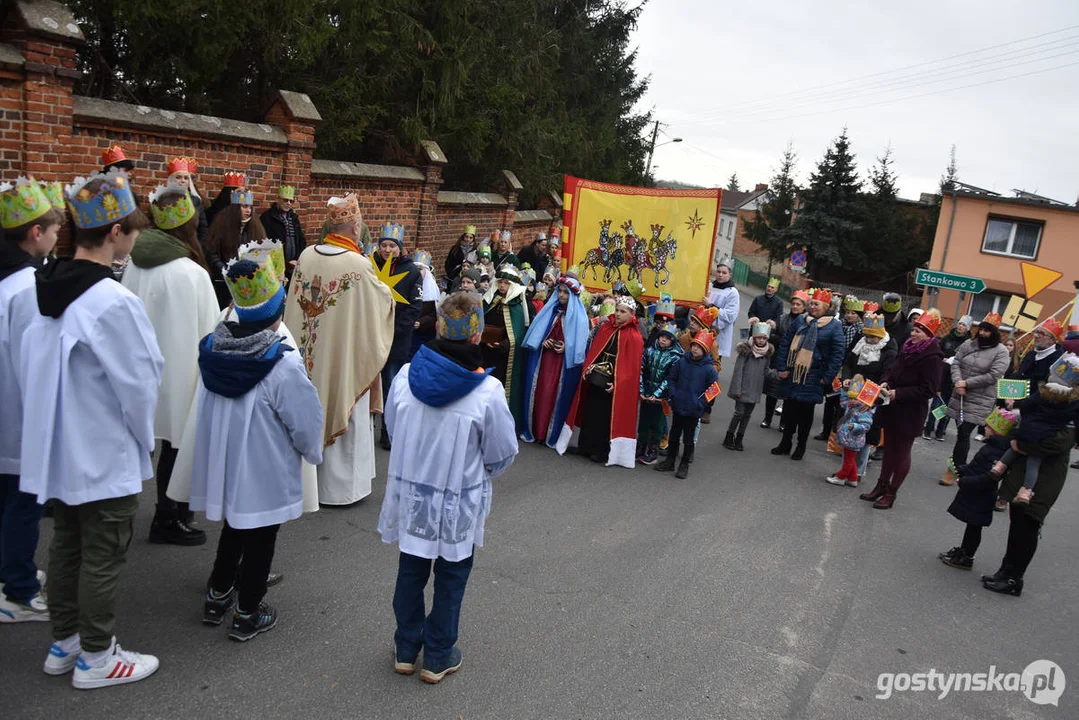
x=752, y=589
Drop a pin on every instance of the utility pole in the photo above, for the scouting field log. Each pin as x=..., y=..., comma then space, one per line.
x=651, y=149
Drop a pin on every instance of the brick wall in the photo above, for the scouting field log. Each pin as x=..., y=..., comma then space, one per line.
x=48, y=131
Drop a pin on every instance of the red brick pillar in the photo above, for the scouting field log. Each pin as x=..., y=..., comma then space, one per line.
x=511, y=187
x=294, y=113
x=427, y=215
x=45, y=34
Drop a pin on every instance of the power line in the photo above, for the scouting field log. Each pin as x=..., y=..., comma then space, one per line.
x=934, y=75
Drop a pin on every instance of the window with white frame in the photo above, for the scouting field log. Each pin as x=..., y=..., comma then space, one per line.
x=1018, y=238
x=985, y=303
x=722, y=226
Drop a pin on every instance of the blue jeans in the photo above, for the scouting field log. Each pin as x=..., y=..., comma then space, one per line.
x=19, y=518
x=863, y=459
x=437, y=634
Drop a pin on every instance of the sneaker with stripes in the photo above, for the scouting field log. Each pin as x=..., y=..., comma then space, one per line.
x=118, y=667
x=60, y=662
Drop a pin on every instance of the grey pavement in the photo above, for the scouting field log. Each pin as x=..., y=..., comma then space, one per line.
x=752, y=589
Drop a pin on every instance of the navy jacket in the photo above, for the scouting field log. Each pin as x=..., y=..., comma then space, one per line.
x=977, y=491
x=686, y=383
x=827, y=361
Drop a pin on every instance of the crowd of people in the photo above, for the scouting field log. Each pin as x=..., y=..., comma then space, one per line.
x=254, y=366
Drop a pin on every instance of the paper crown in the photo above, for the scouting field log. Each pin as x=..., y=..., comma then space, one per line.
x=635, y=288
x=341, y=210
x=724, y=259
x=930, y=322
x=470, y=230
x=392, y=231
x=1002, y=421
x=422, y=257
x=969, y=321
x=873, y=324
x=573, y=284
x=112, y=202
x=606, y=308
x=22, y=203
x=528, y=274
x=620, y=288
x=891, y=303
x=1053, y=327
x=243, y=197
x=667, y=328
x=115, y=156
x=182, y=164
x=286, y=192
x=265, y=251
x=235, y=179
x=992, y=318
x=1065, y=371
x=370, y=249
x=540, y=236
x=54, y=191
x=704, y=339
x=460, y=324
x=773, y=282
x=586, y=298
x=541, y=291
x=257, y=292
x=822, y=295
x=172, y=216
x=856, y=384
x=483, y=251
x=870, y=306
x=801, y=295
x=626, y=301
x=509, y=272
x=854, y=304
x=706, y=316
x=506, y=235
x=665, y=305
x=574, y=270
x=556, y=232
x=761, y=328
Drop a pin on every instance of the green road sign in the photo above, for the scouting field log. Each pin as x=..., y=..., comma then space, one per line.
x=950, y=281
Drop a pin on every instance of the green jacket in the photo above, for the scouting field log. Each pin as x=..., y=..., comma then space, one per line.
x=1055, y=452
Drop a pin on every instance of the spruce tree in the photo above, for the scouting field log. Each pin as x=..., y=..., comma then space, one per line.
x=774, y=216
x=732, y=183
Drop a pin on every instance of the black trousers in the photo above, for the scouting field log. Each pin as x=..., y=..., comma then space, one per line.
x=683, y=428
x=962, y=443
x=972, y=538
x=770, y=408
x=243, y=561
x=595, y=438
x=798, y=418
x=167, y=508
x=1023, y=532
x=831, y=414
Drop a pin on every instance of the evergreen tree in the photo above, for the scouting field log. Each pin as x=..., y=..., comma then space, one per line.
x=773, y=217
x=732, y=183
x=951, y=173
x=832, y=212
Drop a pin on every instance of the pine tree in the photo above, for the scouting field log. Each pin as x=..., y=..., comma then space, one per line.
x=732, y=183
x=951, y=173
x=832, y=212
x=774, y=216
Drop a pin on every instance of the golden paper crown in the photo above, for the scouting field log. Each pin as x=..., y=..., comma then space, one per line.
x=343, y=210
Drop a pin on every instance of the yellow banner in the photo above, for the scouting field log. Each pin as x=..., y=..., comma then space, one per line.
x=662, y=238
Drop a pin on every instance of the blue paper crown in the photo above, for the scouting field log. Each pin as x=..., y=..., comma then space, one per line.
x=243, y=197
x=668, y=329
x=112, y=202
x=393, y=231
x=665, y=306
x=460, y=325
x=873, y=321
x=422, y=257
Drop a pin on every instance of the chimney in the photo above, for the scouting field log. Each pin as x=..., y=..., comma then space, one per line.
x=760, y=186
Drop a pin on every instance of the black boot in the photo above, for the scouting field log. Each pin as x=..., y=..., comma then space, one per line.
x=1006, y=585
x=683, y=469
x=666, y=464
x=799, y=452
x=822, y=435
x=738, y=442
x=384, y=439
x=784, y=446
x=728, y=441
x=168, y=529
x=997, y=576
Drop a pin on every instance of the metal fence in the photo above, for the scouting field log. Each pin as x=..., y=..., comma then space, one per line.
x=745, y=275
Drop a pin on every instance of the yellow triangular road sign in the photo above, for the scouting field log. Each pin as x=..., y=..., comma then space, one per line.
x=1036, y=278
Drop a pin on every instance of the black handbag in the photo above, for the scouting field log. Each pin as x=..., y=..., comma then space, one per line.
x=601, y=375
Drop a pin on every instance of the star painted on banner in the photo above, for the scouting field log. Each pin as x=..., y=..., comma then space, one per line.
x=695, y=223
x=391, y=281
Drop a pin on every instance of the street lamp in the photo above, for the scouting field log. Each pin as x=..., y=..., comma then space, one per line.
x=652, y=148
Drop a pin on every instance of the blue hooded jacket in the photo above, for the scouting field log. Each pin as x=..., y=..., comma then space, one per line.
x=232, y=362
x=687, y=381
x=438, y=380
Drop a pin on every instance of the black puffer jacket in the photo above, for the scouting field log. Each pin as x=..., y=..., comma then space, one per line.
x=405, y=314
x=977, y=491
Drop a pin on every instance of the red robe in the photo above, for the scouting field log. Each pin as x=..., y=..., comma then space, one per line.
x=627, y=387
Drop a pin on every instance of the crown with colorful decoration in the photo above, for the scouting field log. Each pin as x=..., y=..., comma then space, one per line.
x=930, y=322
x=574, y=270
x=626, y=301
x=760, y=328
x=243, y=197
x=705, y=339
x=528, y=275
x=257, y=292
x=1053, y=327
x=235, y=179
x=115, y=156
x=460, y=324
x=341, y=210
x=856, y=384
x=586, y=298
x=22, y=202
x=509, y=272
x=110, y=203
x=1002, y=421
x=725, y=260
x=263, y=251
x=665, y=305
x=470, y=230
x=287, y=192
x=392, y=231
x=54, y=191
x=993, y=319
x=853, y=304
x=874, y=322
x=706, y=315
x=182, y=164
x=422, y=257
x=667, y=328
x=606, y=308
x=175, y=214
x=1065, y=371
x=505, y=235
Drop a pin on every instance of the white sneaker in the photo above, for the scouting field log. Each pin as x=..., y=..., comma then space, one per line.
x=118, y=668
x=833, y=480
x=59, y=662
x=35, y=610
x=979, y=437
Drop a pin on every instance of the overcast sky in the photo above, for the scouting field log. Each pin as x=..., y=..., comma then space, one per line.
x=738, y=81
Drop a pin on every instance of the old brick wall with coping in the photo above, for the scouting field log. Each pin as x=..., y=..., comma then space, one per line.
x=49, y=132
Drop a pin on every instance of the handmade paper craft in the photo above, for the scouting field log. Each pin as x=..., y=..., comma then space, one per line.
x=712, y=392
x=869, y=393
x=1013, y=389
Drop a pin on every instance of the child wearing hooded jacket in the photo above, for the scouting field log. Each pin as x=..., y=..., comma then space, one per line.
x=659, y=358
x=851, y=433
x=751, y=369
x=688, y=384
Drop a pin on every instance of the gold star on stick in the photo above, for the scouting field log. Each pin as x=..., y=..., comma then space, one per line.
x=695, y=223
x=391, y=281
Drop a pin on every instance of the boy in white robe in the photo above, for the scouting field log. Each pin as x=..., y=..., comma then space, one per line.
x=452, y=433
x=90, y=369
x=30, y=226
x=258, y=417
